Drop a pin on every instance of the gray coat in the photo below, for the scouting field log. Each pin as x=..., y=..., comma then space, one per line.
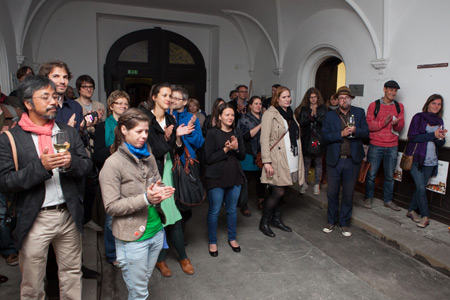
x=123, y=181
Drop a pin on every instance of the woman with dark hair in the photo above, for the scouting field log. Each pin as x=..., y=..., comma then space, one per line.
x=164, y=137
x=211, y=119
x=332, y=103
x=224, y=175
x=117, y=102
x=309, y=115
x=281, y=154
x=250, y=126
x=425, y=135
x=132, y=193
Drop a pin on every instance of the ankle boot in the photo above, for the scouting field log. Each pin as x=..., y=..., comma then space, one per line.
x=264, y=226
x=277, y=222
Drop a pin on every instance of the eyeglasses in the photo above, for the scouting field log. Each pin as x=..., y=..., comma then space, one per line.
x=87, y=87
x=48, y=97
x=121, y=103
x=343, y=98
x=178, y=99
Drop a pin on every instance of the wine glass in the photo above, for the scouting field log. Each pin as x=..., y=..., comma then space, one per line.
x=351, y=123
x=61, y=143
x=441, y=129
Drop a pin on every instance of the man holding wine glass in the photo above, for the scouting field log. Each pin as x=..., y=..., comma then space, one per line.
x=344, y=155
x=49, y=202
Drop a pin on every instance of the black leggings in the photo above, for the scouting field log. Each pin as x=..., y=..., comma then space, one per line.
x=176, y=236
x=274, y=200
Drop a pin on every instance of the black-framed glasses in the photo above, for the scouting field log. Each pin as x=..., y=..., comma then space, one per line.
x=88, y=87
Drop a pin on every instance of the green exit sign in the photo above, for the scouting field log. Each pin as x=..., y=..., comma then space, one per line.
x=133, y=72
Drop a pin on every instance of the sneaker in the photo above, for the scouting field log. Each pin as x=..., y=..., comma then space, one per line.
x=316, y=189
x=12, y=259
x=392, y=206
x=413, y=216
x=304, y=188
x=368, y=203
x=328, y=228
x=424, y=221
x=346, y=232
x=92, y=225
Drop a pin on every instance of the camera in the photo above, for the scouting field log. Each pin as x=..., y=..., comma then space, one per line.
x=92, y=116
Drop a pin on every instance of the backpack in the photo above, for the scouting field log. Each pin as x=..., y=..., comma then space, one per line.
x=377, y=107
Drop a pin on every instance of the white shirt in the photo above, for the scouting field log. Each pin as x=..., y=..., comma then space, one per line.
x=292, y=160
x=53, y=190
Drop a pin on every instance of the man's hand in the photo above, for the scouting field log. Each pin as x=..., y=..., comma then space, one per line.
x=388, y=119
x=347, y=131
x=192, y=120
x=72, y=121
x=56, y=160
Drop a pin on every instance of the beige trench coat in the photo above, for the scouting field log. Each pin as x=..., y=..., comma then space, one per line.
x=272, y=128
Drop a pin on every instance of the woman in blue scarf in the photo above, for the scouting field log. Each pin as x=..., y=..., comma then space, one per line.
x=426, y=133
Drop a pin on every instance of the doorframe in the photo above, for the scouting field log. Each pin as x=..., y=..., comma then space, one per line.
x=312, y=62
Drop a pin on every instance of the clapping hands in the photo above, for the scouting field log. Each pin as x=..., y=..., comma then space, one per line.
x=157, y=192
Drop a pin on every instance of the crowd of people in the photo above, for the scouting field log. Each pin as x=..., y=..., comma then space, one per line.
x=128, y=154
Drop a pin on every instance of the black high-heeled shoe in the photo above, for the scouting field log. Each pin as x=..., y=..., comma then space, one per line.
x=235, y=249
x=213, y=253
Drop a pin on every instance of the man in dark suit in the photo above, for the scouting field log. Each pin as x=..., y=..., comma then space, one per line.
x=342, y=132
x=49, y=203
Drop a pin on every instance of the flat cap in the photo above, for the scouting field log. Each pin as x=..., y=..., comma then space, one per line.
x=392, y=84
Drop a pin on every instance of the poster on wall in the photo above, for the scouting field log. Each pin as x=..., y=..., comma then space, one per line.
x=438, y=184
x=398, y=172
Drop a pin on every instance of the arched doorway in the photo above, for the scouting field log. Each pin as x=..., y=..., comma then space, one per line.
x=327, y=76
x=139, y=59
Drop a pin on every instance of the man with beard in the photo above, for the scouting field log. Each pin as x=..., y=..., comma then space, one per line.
x=345, y=152
x=49, y=201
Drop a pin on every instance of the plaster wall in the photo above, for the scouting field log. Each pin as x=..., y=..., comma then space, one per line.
x=95, y=27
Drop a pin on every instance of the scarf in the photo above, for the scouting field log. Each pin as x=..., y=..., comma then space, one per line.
x=44, y=133
x=293, y=127
x=110, y=125
x=138, y=152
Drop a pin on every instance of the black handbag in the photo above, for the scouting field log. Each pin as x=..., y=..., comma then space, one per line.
x=188, y=186
x=314, y=146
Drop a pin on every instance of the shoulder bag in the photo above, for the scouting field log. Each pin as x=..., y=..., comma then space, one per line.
x=188, y=186
x=407, y=160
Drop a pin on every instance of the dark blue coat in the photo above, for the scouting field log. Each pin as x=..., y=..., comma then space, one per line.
x=331, y=135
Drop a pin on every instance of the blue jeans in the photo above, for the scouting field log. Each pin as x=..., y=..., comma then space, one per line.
x=419, y=197
x=110, y=246
x=375, y=155
x=137, y=261
x=345, y=173
x=6, y=242
x=216, y=196
x=317, y=165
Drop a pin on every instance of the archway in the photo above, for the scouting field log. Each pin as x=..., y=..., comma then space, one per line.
x=142, y=58
x=327, y=77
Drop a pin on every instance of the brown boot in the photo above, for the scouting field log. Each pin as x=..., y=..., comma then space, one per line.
x=186, y=266
x=165, y=271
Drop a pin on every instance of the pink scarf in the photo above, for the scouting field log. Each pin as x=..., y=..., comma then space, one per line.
x=44, y=132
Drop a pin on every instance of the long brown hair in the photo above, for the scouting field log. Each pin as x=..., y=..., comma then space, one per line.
x=431, y=99
x=307, y=102
x=155, y=91
x=129, y=119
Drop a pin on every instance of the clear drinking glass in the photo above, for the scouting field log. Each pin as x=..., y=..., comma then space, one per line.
x=351, y=123
x=61, y=143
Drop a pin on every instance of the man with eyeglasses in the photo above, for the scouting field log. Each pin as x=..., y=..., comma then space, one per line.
x=85, y=86
x=240, y=103
x=48, y=201
x=343, y=131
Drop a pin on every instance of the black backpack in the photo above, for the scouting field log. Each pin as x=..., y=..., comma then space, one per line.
x=377, y=107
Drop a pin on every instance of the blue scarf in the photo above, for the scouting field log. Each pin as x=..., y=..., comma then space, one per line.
x=138, y=152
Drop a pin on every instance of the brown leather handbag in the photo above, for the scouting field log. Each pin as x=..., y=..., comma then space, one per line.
x=365, y=167
x=407, y=160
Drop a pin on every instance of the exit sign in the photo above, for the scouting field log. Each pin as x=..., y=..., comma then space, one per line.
x=133, y=72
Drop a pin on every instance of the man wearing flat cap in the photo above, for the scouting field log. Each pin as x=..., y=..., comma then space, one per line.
x=385, y=118
x=343, y=157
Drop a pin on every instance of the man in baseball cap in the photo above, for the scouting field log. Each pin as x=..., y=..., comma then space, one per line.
x=385, y=118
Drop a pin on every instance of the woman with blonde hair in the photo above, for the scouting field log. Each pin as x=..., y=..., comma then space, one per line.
x=281, y=154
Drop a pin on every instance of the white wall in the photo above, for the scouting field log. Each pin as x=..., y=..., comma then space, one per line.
x=84, y=46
